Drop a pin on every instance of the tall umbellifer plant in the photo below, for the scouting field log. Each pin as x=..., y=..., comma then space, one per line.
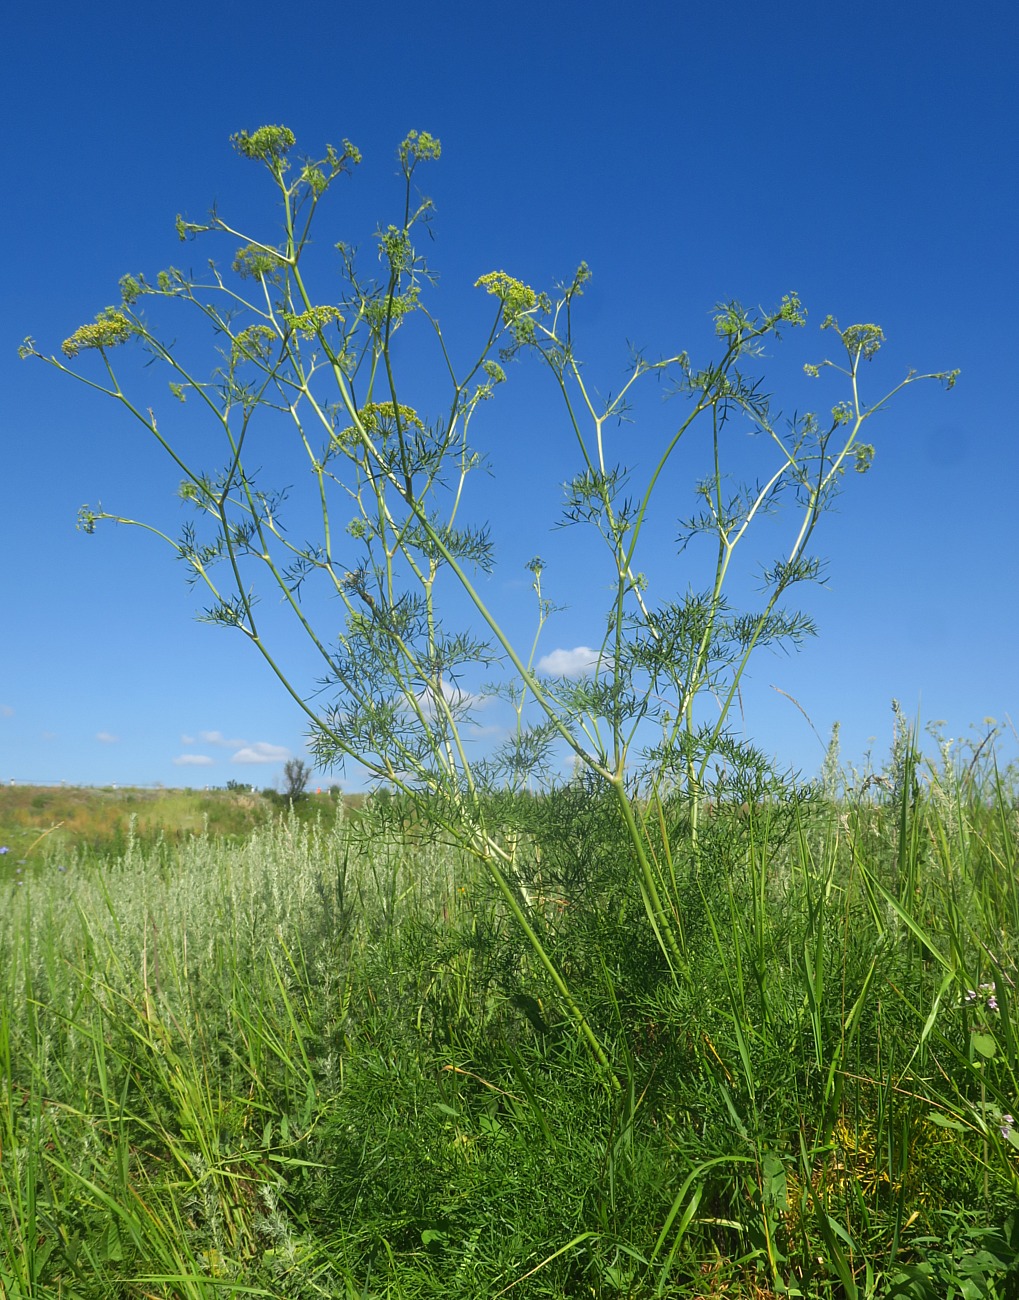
x=393, y=541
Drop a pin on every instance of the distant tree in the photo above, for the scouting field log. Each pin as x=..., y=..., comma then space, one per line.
x=296, y=775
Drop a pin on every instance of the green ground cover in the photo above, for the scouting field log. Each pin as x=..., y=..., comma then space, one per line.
x=322, y=1060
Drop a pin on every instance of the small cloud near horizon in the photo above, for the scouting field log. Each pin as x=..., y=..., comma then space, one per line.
x=245, y=751
x=107, y=737
x=217, y=738
x=194, y=760
x=577, y=662
x=260, y=752
x=6, y=711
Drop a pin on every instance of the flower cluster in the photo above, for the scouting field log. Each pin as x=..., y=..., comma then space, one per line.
x=254, y=262
x=269, y=144
x=311, y=321
x=111, y=328
x=256, y=343
x=418, y=147
x=515, y=296
x=986, y=996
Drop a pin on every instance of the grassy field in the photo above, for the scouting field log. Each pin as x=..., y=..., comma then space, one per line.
x=313, y=1057
x=38, y=820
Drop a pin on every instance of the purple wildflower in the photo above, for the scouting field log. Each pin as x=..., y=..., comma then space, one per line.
x=986, y=994
x=4, y=848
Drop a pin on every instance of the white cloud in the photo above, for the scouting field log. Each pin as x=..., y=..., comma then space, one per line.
x=6, y=711
x=194, y=760
x=480, y=733
x=578, y=662
x=107, y=737
x=260, y=752
x=457, y=698
x=217, y=738
x=245, y=751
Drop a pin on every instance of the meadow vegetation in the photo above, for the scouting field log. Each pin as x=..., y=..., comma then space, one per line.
x=57, y=819
x=323, y=1060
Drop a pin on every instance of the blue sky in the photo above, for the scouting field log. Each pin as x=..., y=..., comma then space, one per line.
x=689, y=153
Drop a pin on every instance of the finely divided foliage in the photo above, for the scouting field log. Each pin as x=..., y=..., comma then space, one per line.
x=395, y=547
